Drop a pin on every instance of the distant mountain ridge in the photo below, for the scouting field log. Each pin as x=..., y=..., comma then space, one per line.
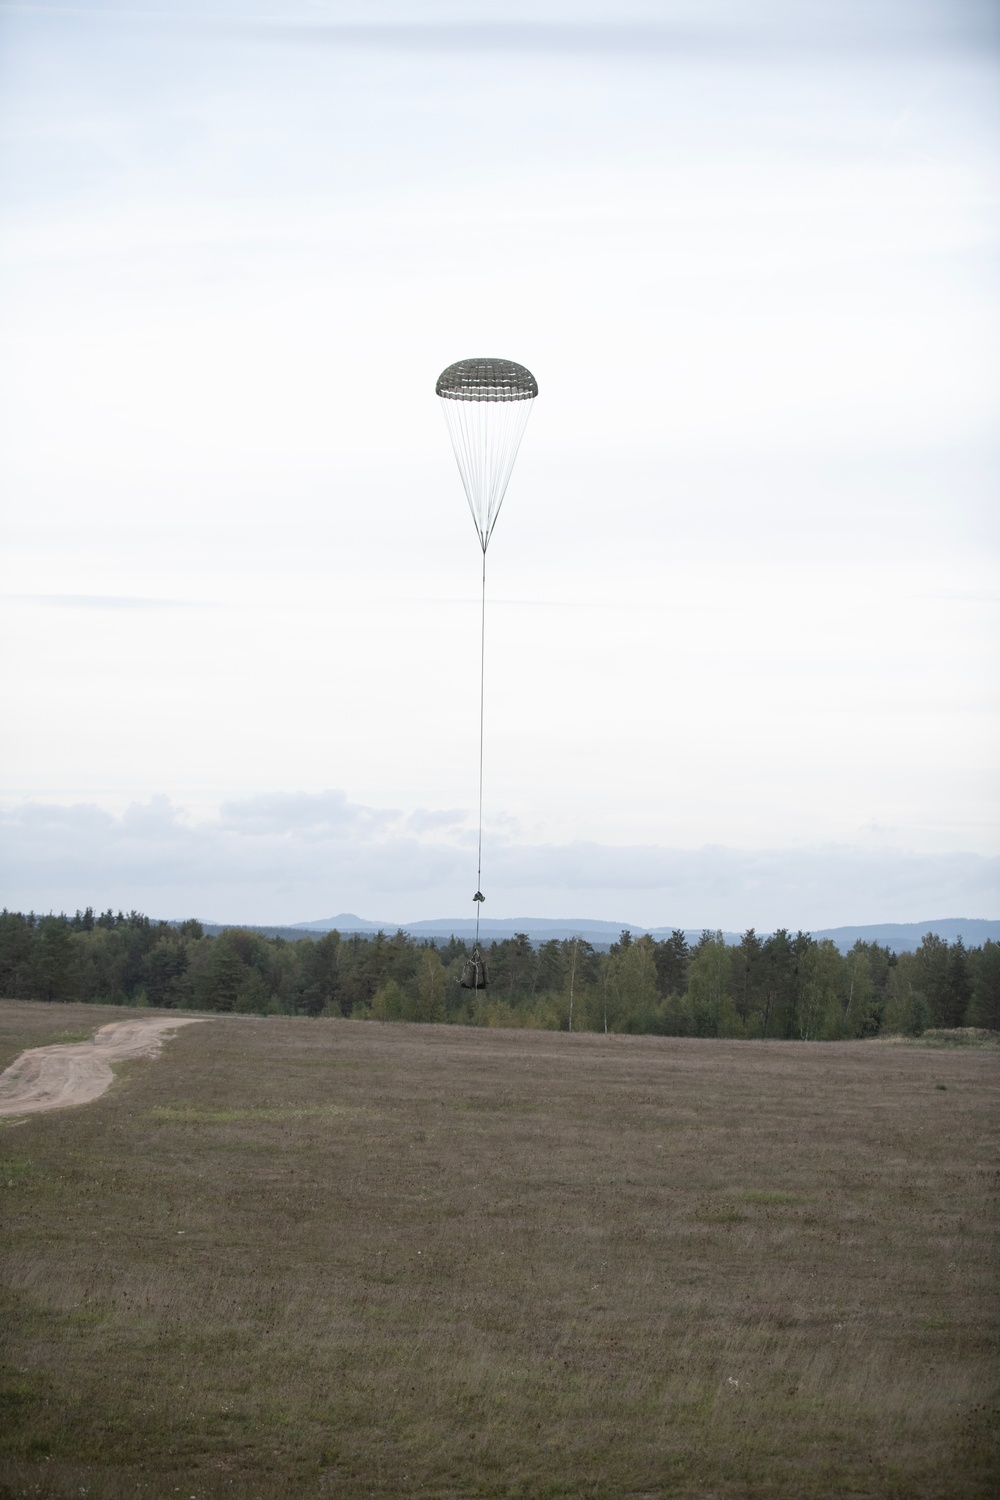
x=901, y=937
x=906, y=937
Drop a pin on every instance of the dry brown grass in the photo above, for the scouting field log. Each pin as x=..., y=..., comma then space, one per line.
x=335, y=1258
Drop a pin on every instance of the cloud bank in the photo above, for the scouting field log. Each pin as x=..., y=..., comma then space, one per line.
x=294, y=857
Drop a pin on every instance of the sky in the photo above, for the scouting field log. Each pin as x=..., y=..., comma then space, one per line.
x=742, y=645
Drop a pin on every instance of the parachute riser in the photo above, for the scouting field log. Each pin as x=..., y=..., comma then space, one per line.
x=479, y=898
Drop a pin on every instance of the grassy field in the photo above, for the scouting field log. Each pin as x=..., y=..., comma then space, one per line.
x=336, y=1258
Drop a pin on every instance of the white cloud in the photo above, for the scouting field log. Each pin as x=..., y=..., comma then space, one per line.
x=298, y=858
x=319, y=815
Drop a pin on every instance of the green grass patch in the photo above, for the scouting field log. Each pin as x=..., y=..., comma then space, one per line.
x=959, y=1036
x=769, y=1197
x=192, y=1114
x=16, y=1171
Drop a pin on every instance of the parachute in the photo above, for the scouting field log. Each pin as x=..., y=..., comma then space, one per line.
x=486, y=405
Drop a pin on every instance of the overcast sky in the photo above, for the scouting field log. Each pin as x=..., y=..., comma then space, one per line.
x=742, y=660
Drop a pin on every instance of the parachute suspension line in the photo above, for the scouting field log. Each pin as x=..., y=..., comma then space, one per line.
x=486, y=436
x=482, y=701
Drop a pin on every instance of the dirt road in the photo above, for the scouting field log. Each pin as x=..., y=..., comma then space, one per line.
x=79, y=1072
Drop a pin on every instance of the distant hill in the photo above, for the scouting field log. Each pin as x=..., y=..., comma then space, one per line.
x=538, y=929
x=901, y=937
x=905, y=937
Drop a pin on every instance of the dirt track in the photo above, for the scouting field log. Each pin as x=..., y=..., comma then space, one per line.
x=79, y=1072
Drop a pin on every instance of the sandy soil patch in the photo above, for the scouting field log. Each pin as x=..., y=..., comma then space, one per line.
x=79, y=1072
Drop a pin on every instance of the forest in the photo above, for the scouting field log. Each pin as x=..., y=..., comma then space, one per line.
x=781, y=986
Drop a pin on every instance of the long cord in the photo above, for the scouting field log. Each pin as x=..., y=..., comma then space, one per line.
x=485, y=435
x=482, y=701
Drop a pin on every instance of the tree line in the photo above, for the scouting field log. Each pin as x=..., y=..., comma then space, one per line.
x=782, y=985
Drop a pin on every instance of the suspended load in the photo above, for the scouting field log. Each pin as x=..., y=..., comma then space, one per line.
x=486, y=405
x=474, y=975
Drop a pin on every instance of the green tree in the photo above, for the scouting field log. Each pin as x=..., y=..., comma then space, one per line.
x=431, y=987
x=165, y=965
x=709, y=994
x=455, y=950
x=932, y=976
x=220, y=982
x=548, y=974
x=136, y=935
x=984, y=1007
x=610, y=983
x=820, y=1013
x=745, y=979
x=402, y=957
x=363, y=965
x=672, y=957
x=858, y=994
x=319, y=971
x=102, y=959
x=881, y=962
x=907, y=1012
x=17, y=942
x=512, y=965
x=635, y=991
x=579, y=970
x=52, y=967
x=959, y=984
x=389, y=1002
x=781, y=983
